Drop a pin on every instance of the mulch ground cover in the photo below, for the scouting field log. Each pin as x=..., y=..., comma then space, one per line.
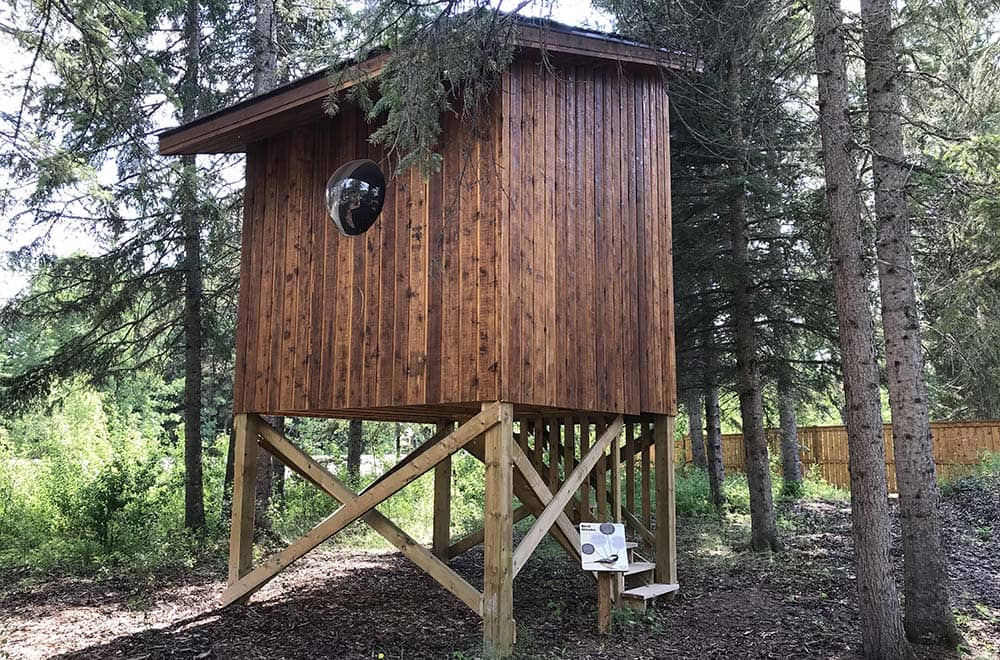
x=798, y=603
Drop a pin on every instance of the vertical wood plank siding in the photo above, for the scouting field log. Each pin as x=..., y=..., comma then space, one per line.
x=534, y=268
x=401, y=315
x=590, y=320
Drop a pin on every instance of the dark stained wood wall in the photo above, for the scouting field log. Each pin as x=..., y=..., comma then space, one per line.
x=587, y=255
x=404, y=314
x=535, y=268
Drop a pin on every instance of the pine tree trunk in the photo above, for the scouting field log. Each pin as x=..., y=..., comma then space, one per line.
x=227, y=478
x=791, y=466
x=194, y=496
x=763, y=532
x=265, y=49
x=264, y=485
x=713, y=447
x=354, y=444
x=927, y=612
x=264, y=76
x=881, y=620
x=694, y=427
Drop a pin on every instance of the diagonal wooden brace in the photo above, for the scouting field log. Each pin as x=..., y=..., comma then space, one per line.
x=541, y=490
x=524, y=493
x=300, y=463
x=351, y=511
x=556, y=506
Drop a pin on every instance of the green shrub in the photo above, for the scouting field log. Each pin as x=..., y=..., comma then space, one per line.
x=984, y=474
x=693, y=496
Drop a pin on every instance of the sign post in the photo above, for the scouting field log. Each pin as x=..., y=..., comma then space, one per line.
x=603, y=550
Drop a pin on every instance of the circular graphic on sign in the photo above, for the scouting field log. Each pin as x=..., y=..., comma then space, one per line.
x=354, y=196
x=607, y=529
x=587, y=549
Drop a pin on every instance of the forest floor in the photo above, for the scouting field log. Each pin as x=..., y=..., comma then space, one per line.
x=799, y=603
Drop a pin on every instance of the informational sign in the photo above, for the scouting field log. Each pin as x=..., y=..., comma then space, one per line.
x=602, y=547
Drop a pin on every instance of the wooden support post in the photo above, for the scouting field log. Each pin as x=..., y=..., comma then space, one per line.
x=297, y=460
x=415, y=466
x=630, y=466
x=618, y=585
x=616, y=479
x=554, y=511
x=555, y=444
x=666, y=543
x=605, y=598
x=466, y=543
x=569, y=463
x=601, y=487
x=585, y=511
x=442, y=505
x=647, y=513
x=498, y=573
x=244, y=491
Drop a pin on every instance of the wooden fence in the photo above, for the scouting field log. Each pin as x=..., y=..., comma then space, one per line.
x=956, y=445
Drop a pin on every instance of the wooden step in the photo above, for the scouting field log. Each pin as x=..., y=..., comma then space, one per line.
x=637, y=567
x=631, y=545
x=649, y=591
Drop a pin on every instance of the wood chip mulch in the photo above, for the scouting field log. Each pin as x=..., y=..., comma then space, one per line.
x=338, y=603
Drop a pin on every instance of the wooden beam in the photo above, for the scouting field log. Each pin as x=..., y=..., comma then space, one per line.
x=616, y=480
x=244, y=492
x=348, y=513
x=647, y=507
x=300, y=463
x=524, y=493
x=633, y=521
x=630, y=451
x=441, y=538
x=498, y=575
x=555, y=446
x=541, y=490
x=601, y=485
x=605, y=597
x=554, y=509
x=569, y=462
x=470, y=541
x=585, y=511
x=443, y=431
x=666, y=534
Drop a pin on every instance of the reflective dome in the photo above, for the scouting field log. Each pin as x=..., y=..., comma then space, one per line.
x=354, y=196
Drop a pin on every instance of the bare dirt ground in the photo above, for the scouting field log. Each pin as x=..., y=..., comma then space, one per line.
x=341, y=604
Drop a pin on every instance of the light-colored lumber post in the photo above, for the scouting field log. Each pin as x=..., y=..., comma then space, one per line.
x=442, y=506
x=616, y=507
x=498, y=544
x=666, y=543
x=605, y=597
x=630, y=466
x=244, y=490
x=647, y=511
x=569, y=464
x=616, y=479
x=585, y=511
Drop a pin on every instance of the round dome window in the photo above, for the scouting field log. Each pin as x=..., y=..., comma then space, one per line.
x=354, y=196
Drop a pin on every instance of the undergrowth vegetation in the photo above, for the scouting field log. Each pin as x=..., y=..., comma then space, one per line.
x=94, y=479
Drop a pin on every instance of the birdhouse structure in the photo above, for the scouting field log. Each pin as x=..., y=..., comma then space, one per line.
x=520, y=298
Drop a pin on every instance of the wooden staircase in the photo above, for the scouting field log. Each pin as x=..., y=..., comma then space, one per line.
x=640, y=587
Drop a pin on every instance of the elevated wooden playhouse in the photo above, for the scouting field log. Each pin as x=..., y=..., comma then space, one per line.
x=521, y=299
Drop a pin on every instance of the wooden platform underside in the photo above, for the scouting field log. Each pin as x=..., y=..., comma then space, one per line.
x=563, y=469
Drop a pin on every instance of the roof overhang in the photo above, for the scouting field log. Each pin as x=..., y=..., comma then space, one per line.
x=230, y=130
